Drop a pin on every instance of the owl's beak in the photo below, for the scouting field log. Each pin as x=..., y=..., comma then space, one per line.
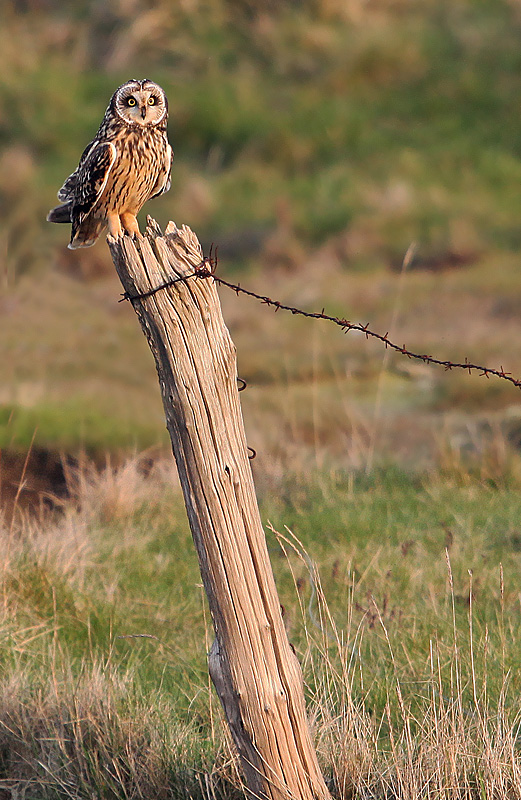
x=143, y=112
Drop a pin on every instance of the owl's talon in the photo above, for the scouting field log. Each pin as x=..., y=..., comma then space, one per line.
x=130, y=223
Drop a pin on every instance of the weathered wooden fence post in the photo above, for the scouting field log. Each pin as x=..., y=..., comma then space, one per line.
x=255, y=672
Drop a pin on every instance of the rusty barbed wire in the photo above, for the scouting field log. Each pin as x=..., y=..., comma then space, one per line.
x=207, y=269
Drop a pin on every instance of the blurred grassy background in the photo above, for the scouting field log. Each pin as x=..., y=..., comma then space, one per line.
x=392, y=118
x=314, y=142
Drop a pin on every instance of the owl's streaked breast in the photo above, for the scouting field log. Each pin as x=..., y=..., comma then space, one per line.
x=141, y=159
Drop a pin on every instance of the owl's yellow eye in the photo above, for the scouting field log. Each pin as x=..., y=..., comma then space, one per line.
x=131, y=101
x=152, y=101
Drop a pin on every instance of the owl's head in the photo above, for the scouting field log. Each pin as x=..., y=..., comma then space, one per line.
x=140, y=103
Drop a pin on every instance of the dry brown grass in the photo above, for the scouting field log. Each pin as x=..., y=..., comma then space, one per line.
x=76, y=737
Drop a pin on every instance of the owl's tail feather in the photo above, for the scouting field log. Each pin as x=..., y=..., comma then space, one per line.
x=85, y=233
x=85, y=229
x=60, y=213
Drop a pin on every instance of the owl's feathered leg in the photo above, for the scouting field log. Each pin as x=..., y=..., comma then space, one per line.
x=115, y=228
x=130, y=223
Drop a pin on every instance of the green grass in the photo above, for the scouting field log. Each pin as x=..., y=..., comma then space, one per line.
x=71, y=426
x=403, y=612
x=381, y=544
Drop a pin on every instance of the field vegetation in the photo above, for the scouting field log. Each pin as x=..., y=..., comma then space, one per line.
x=314, y=143
x=411, y=665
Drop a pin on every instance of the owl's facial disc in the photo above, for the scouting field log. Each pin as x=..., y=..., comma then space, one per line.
x=142, y=104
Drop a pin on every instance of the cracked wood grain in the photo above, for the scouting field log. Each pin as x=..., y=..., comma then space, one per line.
x=256, y=674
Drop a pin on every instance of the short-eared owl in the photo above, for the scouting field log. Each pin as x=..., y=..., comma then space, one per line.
x=126, y=164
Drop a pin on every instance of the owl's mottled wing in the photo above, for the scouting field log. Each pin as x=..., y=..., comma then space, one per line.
x=68, y=190
x=91, y=177
x=164, y=180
